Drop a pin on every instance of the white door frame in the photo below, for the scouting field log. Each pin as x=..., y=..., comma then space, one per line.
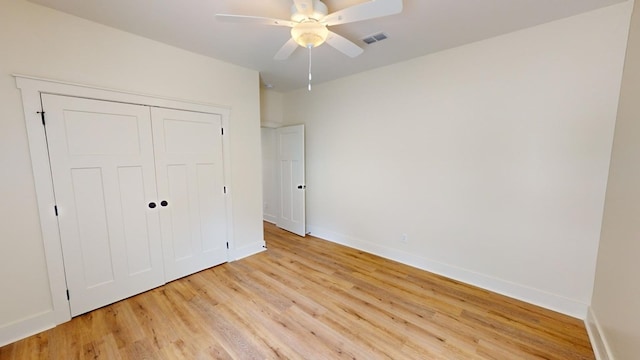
x=31, y=88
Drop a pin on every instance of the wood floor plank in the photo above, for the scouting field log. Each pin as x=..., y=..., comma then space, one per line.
x=306, y=298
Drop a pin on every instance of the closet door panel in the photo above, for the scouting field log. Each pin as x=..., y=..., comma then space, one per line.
x=101, y=156
x=135, y=224
x=188, y=155
x=88, y=197
x=179, y=213
x=212, y=218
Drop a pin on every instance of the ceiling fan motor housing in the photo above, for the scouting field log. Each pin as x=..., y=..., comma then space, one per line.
x=318, y=12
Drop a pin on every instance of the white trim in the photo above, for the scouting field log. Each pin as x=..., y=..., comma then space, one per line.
x=46, y=201
x=26, y=327
x=270, y=218
x=226, y=159
x=100, y=93
x=530, y=295
x=31, y=88
x=248, y=250
x=599, y=342
x=270, y=124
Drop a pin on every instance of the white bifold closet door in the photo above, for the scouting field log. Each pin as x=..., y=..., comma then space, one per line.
x=139, y=196
x=190, y=176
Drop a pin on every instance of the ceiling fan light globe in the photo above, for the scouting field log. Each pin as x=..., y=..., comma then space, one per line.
x=309, y=34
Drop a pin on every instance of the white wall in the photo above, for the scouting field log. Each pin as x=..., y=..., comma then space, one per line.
x=492, y=157
x=41, y=42
x=615, y=307
x=271, y=108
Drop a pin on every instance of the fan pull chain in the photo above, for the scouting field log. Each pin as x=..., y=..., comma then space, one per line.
x=309, y=47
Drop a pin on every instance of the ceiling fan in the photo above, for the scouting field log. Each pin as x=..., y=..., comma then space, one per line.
x=310, y=19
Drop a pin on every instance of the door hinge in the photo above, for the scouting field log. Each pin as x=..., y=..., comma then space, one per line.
x=41, y=116
x=55, y=209
x=68, y=297
x=224, y=188
x=222, y=131
x=227, y=244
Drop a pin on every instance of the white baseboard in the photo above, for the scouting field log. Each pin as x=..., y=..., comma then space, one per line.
x=598, y=340
x=269, y=218
x=26, y=327
x=527, y=294
x=248, y=250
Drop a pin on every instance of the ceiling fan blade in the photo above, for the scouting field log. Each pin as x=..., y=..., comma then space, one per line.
x=254, y=20
x=343, y=45
x=286, y=50
x=369, y=10
x=304, y=7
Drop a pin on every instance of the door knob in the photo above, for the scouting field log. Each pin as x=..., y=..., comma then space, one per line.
x=164, y=203
x=302, y=186
x=152, y=205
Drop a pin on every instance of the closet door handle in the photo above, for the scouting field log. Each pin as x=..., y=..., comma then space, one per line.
x=164, y=203
x=152, y=205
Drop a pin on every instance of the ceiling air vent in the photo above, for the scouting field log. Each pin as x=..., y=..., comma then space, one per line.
x=375, y=38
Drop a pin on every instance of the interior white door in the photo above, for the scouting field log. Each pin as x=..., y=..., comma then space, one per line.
x=190, y=178
x=291, y=215
x=102, y=163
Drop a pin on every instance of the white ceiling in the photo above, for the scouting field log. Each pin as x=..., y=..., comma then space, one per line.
x=424, y=26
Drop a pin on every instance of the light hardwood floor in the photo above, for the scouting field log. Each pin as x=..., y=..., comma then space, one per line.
x=307, y=298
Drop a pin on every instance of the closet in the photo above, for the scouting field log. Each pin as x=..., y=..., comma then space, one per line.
x=139, y=195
